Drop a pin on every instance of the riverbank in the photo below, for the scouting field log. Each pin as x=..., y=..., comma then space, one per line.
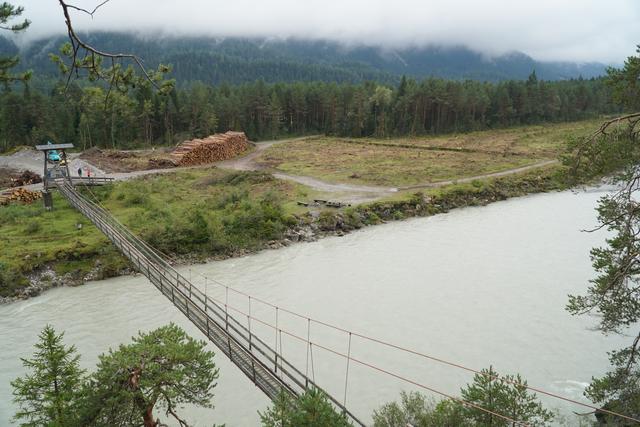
x=252, y=213
x=498, y=276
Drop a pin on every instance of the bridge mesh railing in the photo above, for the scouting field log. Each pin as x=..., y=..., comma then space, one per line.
x=272, y=373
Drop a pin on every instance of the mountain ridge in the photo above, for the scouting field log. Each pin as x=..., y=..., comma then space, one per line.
x=238, y=60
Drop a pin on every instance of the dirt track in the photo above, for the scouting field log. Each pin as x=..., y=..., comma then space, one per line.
x=357, y=193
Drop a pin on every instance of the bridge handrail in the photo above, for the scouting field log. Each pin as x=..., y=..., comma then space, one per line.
x=241, y=335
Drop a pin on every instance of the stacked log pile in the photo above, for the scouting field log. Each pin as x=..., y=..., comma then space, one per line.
x=19, y=195
x=214, y=148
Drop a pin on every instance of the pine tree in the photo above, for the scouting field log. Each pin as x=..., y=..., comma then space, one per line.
x=311, y=409
x=47, y=395
x=507, y=396
x=164, y=368
x=7, y=13
x=614, y=294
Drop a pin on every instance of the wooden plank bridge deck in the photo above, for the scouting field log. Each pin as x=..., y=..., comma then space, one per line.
x=82, y=180
x=256, y=359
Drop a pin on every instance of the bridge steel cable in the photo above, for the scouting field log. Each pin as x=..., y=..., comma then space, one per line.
x=424, y=355
x=256, y=359
x=350, y=358
x=160, y=259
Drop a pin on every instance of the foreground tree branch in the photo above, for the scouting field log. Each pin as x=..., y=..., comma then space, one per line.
x=85, y=57
x=95, y=9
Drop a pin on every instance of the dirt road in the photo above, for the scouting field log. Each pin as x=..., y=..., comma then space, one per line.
x=350, y=193
x=346, y=193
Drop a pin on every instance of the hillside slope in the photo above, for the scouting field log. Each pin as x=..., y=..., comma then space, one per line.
x=235, y=60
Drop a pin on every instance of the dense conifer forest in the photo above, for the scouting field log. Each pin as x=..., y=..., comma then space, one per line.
x=94, y=116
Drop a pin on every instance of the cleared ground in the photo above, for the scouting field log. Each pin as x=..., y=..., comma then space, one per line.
x=128, y=161
x=6, y=175
x=413, y=161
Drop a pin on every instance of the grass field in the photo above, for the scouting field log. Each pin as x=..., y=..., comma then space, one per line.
x=199, y=212
x=204, y=212
x=411, y=161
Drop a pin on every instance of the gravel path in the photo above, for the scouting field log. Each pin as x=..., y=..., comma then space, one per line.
x=352, y=193
x=483, y=176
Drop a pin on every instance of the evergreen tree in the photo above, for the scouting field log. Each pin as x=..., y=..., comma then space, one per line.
x=47, y=394
x=311, y=409
x=507, y=396
x=162, y=369
x=8, y=12
x=414, y=409
x=625, y=82
x=614, y=150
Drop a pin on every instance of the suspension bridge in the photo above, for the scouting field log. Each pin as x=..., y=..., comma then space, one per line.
x=262, y=363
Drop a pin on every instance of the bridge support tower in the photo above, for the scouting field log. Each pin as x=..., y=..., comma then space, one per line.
x=56, y=165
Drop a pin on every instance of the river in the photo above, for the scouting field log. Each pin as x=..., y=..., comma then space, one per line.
x=477, y=286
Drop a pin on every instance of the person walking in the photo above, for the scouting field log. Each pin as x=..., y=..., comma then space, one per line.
x=80, y=171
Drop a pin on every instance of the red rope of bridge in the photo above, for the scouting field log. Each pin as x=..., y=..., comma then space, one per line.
x=426, y=356
x=374, y=367
x=388, y=344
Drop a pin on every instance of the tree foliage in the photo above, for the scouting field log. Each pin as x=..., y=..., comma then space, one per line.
x=94, y=116
x=163, y=369
x=614, y=295
x=625, y=82
x=311, y=409
x=8, y=13
x=85, y=60
x=504, y=395
x=48, y=394
x=416, y=410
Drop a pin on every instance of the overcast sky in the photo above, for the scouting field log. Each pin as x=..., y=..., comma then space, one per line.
x=573, y=30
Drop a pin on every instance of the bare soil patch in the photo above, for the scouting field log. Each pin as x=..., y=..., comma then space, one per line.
x=112, y=161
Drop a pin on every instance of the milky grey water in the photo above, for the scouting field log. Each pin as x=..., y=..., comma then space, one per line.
x=478, y=286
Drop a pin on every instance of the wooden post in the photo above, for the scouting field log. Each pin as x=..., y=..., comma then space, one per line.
x=45, y=177
x=66, y=165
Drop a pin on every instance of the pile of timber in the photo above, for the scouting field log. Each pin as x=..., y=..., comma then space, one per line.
x=19, y=195
x=214, y=148
x=26, y=178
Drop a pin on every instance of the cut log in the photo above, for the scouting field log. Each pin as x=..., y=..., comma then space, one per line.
x=19, y=195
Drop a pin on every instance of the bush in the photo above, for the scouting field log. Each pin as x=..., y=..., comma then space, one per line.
x=136, y=198
x=32, y=227
x=416, y=410
x=311, y=409
x=10, y=281
x=250, y=222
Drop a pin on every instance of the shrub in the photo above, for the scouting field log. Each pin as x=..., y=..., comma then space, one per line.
x=32, y=227
x=10, y=281
x=311, y=409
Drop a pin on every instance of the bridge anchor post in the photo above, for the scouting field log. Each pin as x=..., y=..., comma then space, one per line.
x=48, y=200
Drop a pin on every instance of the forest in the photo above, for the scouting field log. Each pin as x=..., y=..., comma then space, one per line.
x=237, y=60
x=90, y=116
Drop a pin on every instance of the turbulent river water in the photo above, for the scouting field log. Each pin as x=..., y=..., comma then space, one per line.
x=477, y=286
